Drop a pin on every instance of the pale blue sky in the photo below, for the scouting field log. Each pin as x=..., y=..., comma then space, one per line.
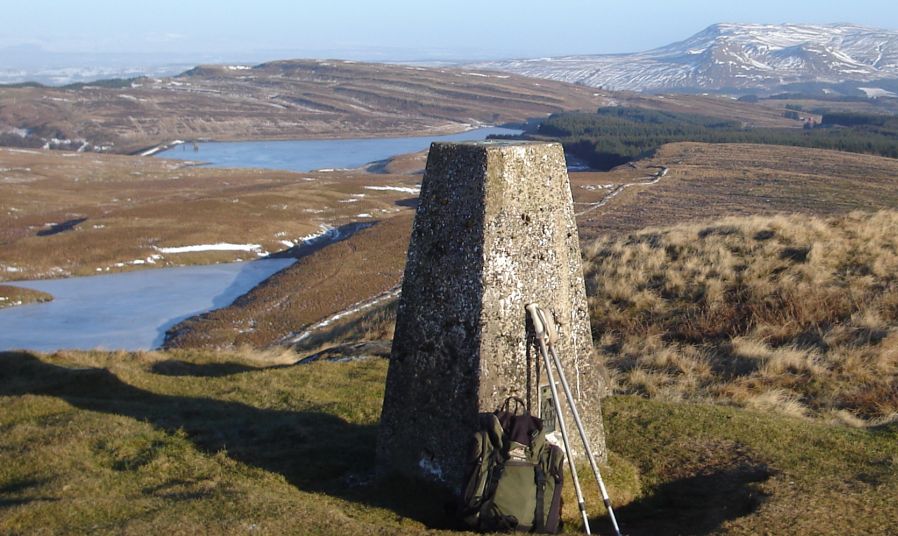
x=461, y=29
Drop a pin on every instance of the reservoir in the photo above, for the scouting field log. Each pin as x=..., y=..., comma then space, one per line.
x=127, y=311
x=133, y=310
x=308, y=155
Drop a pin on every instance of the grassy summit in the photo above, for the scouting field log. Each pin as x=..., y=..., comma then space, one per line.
x=234, y=443
x=740, y=351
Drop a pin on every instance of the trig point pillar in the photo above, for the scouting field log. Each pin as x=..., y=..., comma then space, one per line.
x=494, y=231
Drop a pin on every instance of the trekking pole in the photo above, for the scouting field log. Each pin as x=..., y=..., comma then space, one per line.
x=549, y=326
x=541, y=337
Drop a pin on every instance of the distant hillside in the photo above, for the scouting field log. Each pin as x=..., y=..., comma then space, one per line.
x=277, y=100
x=746, y=57
x=711, y=181
x=616, y=135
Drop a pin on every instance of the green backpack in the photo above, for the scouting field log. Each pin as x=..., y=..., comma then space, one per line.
x=515, y=476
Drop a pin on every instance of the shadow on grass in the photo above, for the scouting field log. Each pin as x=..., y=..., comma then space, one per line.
x=57, y=228
x=695, y=505
x=319, y=452
x=313, y=450
x=174, y=367
x=19, y=487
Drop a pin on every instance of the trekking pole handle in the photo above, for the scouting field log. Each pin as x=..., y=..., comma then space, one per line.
x=543, y=325
x=548, y=321
x=538, y=327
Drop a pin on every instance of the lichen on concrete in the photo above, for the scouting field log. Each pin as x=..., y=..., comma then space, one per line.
x=494, y=231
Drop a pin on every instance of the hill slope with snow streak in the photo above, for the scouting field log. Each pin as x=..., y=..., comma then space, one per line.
x=737, y=56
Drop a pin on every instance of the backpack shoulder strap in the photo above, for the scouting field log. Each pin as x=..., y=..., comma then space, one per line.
x=539, y=516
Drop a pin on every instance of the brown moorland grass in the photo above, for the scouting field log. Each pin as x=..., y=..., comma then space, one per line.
x=305, y=99
x=865, y=106
x=791, y=313
x=703, y=181
x=317, y=286
x=749, y=114
x=65, y=214
x=788, y=313
x=120, y=208
x=11, y=296
x=403, y=164
x=233, y=443
x=708, y=181
x=371, y=325
x=287, y=100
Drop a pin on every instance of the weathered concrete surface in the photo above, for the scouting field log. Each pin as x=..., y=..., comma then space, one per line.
x=494, y=231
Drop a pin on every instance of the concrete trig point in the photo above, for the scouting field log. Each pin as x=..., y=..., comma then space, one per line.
x=494, y=231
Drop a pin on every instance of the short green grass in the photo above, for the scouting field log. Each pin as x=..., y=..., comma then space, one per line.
x=712, y=469
x=186, y=443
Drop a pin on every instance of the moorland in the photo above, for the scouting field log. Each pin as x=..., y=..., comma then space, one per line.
x=742, y=296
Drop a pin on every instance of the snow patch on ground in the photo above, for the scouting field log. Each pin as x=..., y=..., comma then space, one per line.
x=405, y=189
x=20, y=132
x=162, y=147
x=136, y=262
x=325, y=232
x=875, y=92
x=593, y=187
x=221, y=246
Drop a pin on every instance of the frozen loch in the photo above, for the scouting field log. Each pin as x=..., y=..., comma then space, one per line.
x=128, y=311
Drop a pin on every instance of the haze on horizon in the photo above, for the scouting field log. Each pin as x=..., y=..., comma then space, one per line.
x=402, y=30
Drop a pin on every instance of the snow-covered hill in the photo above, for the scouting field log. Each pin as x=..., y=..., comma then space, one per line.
x=732, y=56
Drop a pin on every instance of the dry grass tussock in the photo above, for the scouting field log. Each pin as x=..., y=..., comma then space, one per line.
x=790, y=313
